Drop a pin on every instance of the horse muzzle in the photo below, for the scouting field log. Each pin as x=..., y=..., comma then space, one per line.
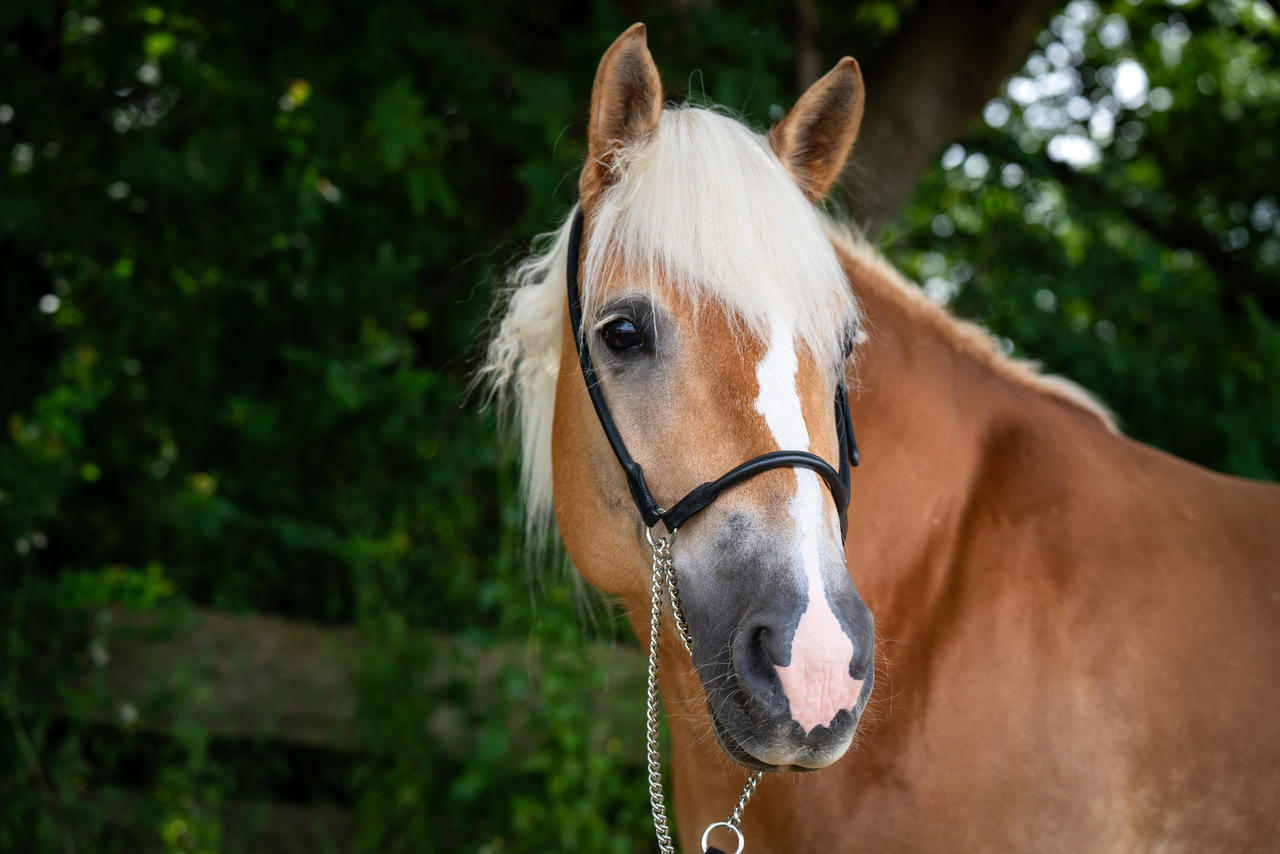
x=786, y=683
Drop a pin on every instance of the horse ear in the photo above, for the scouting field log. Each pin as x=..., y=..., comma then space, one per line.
x=625, y=103
x=814, y=139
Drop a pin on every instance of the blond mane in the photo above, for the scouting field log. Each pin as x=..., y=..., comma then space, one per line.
x=965, y=336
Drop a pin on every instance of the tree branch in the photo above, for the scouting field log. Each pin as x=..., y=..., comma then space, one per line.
x=927, y=86
x=1175, y=230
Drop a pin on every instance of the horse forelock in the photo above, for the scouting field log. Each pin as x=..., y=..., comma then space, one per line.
x=704, y=206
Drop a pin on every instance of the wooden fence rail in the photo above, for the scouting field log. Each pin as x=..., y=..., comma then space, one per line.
x=266, y=677
x=287, y=681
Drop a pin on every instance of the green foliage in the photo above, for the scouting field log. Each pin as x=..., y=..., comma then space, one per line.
x=248, y=254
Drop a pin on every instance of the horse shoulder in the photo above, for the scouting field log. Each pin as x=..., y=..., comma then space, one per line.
x=1135, y=599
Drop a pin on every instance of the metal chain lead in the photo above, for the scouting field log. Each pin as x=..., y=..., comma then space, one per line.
x=669, y=572
x=664, y=575
x=747, y=791
x=657, y=804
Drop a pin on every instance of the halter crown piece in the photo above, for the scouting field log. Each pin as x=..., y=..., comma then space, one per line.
x=664, y=578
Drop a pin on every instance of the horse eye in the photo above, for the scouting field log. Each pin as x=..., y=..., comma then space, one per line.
x=621, y=335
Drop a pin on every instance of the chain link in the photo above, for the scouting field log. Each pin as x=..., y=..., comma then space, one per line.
x=747, y=791
x=657, y=804
x=677, y=612
x=664, y=575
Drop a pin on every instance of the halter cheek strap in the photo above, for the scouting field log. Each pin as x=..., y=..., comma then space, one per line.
x=700, y=497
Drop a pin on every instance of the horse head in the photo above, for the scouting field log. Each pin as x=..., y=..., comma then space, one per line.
x=720, y=326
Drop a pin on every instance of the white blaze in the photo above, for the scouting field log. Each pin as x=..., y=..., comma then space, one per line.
x=817, y=681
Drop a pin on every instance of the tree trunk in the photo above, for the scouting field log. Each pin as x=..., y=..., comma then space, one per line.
x=808, y=57
x=926, y=87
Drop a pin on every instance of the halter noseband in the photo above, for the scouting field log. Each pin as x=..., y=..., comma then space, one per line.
x=701, y=496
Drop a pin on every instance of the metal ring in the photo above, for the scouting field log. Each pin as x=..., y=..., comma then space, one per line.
x=648, y=532
x=713, y=826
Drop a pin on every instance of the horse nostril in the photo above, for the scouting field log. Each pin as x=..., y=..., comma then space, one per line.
x=756, y=657
x=760, y=647
x=767, y=648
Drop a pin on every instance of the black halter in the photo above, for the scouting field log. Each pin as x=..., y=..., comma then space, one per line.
x=702, y=496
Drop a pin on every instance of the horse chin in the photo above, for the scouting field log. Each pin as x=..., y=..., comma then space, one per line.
x=786, y=751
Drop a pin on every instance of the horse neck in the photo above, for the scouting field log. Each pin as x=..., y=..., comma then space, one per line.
x=927, y=407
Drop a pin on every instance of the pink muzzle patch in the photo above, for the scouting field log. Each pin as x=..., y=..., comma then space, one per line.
x=817, y=681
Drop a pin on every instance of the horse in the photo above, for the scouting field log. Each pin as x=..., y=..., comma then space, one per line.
x=1076, y=637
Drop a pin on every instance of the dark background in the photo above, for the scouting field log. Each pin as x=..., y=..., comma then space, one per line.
x=247, y=255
